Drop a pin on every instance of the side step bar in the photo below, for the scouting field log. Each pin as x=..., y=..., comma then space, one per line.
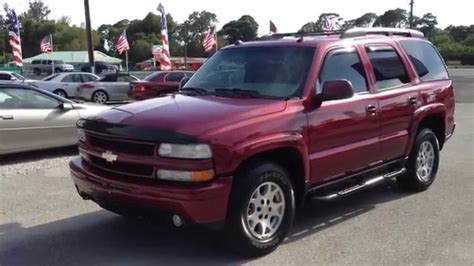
x=367, y=183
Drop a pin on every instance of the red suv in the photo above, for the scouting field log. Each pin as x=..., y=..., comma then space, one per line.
x=158, y=84
x=263, y=125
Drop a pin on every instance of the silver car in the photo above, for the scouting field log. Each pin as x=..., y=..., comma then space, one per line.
x=33, y=119
x=64, y=84
x=10, y=76
x=111, y=87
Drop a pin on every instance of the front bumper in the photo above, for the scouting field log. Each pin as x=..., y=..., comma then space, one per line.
x=198, y=204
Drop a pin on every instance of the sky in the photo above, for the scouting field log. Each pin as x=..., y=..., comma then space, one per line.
x=288, y=15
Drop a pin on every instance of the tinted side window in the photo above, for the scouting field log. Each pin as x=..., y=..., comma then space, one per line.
x=87, y=78
x=344, y=65
x=175, y=77
x=5, y=76
x=388, y=67
x=124, y=79
x=427, y=62
x=25, y=99
x=35, y=62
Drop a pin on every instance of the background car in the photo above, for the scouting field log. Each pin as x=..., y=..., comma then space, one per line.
x=40, y=66
x=100, y=68
x=111, y=87
x=33, y=119
x=10, y=76
x=64, y=84
x=157, y=84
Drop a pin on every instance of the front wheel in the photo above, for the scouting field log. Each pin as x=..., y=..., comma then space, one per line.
x=262, y=209
x=61, y=93
x=423, y=162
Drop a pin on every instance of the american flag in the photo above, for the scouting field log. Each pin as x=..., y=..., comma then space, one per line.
x=273, y=28
x=165, y=61
x=122, y=43
x=329, y=24
x=46, y=44
x=209, y=39
x=14, y=36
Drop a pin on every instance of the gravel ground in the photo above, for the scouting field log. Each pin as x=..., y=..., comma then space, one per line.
x=33, y=162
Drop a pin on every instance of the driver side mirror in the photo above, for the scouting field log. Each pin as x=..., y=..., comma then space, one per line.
x=65, y=106
x=336, y=90
x=183, y=82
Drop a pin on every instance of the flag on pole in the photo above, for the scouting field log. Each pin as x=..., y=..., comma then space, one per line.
x=14, y=36
x=329, y=24
x=165, y=60
x=46, y=44
x=273, y=28
x=209, y=39
x=122, y=43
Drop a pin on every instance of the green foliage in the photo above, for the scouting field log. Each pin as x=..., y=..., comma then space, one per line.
x=244, y=29
x=394, y=18
x=319, y=24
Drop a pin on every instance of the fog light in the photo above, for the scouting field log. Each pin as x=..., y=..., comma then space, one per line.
x=177, y=221
x=188, y=176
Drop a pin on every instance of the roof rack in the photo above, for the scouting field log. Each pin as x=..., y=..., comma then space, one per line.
x=299, y=35
x=357, y=32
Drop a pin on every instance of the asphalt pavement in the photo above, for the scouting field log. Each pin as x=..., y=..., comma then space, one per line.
x=44, y=222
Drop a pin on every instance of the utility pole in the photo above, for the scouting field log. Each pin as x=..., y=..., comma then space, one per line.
x=90, y=49
x=411, y=14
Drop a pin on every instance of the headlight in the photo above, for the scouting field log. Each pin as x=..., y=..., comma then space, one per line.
x=185, y=151
x=81, y=135
x=187, y=176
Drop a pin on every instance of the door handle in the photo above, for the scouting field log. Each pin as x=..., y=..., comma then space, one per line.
x=371, y=110
x=6, y=117
x=413, y=101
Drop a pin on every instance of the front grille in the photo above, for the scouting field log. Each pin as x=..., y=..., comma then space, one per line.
x=121, y=167
x=122, y=146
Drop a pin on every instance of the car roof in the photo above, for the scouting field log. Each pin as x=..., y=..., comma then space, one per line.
x=5, y=72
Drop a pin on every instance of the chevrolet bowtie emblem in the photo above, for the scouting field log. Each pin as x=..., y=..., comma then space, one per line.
x=109, y=156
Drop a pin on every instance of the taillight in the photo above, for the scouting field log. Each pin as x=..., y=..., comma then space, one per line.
x=139, y=88
x=87, y=86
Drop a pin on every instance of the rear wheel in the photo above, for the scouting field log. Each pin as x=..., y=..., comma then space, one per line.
x=61, y=93
x=100, y=97
x=58, y=70
x=37, y=72
x=261, y=210
x=423, y=162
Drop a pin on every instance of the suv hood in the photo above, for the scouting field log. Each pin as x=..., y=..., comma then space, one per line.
x=192, y=115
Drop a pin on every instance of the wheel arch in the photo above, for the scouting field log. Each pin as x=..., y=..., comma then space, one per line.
x=432, y=117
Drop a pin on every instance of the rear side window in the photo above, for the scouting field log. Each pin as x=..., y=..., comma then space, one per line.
x=36, y=62
x=426, y=60
x=343, y=65
x=388, y=67
x=175, y=77
x=155, y=76
x=5, y=76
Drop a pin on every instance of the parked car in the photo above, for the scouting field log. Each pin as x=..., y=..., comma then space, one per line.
x=111, y=87
x=40, y=66
x=64, y=84
x=10, y=76
x=157, y=84
x=100, y=68
x=301, y=116
x=33, y=119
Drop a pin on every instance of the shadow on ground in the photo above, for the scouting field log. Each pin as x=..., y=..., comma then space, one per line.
x=104, y=238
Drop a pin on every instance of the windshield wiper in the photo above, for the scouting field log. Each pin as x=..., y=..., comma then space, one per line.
x=243, y=92
x=198, y=91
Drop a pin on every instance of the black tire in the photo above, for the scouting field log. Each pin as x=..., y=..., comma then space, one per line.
x=60, y=92
x=37, y=71
x=416, y=178
x=58, y=70
x=100, y=97
x=239, y=234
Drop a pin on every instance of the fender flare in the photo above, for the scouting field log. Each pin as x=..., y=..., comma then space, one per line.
x=419, y=115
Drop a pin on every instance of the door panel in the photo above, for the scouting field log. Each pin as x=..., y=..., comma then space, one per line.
x=343, y=137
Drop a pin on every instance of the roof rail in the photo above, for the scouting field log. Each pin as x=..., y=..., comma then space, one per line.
x=277, y=36
x=357, y=32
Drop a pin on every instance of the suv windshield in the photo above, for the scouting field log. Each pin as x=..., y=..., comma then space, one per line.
x=260, y=71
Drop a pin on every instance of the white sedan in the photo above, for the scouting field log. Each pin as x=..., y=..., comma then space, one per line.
x=64, y=84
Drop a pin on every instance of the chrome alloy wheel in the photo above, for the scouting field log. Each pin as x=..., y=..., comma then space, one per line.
x=265, y=210
x=100, y=97
x=425, y=161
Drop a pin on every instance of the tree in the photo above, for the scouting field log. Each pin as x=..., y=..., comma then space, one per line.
x=37, y=11
x=459, y=33
x=191, y=32
x=394, y=18
x=426, y=24
x=244, y=29
x=366, y=20
x=319, y=24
